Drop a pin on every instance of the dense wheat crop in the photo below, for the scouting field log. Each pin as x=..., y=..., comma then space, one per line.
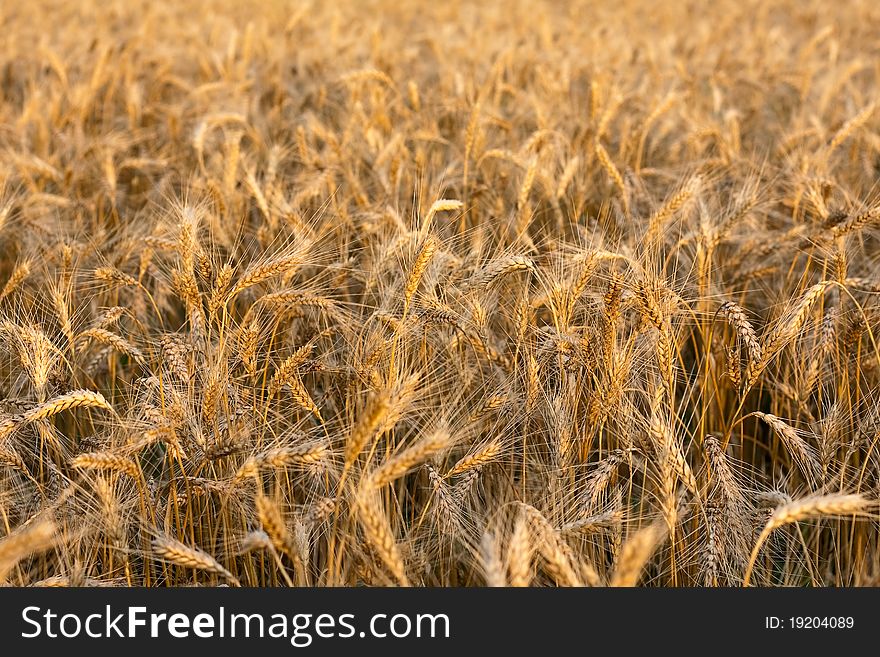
x=439, y=293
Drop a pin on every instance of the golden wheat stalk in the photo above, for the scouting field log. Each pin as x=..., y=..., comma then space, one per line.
x=378, y=533
x=180, y=554
x=423, y=259
x=438, y=206
x=476, y=459
x=115, y=277
x=66, y=402
x=116, y=341
x=491, y=562
x=851, y=126
x=399, y=464
x=809, y=507
x=256, y=274
x=19, y=274
x=289, y=367
x=281, y=457
x=504, y=267
x=743, y=327
x=556, y=554
x=787, y=328
x=519, y=554
x=803, y=454
x=613, y=173
x=302, y=397
x=37, y=536
x=636, y=552
x=105, y=461
x=657, y=222
x=376, y=414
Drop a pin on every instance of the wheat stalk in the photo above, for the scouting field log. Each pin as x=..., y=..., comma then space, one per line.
x=423, y=259
x=378, y=533
x=67, y=402
x=190, y=557
x=810, y=507
x=37, y=536
x=105, y=461
x=636, y=552
x=401, y=463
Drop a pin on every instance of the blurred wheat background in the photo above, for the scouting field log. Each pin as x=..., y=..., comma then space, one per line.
x=439, y=293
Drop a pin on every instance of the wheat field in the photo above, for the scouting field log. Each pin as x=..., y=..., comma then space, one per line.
x=439, y=293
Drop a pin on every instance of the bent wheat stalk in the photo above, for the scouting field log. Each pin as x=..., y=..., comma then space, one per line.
x=804, y=509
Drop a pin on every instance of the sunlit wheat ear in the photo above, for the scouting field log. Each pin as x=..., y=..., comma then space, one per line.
x=598, y=523
x=613, y=173
x=787, y=328
x=444, y=504
x=19, y=274
x=470, y=137
x=568, y=174
x=38, y=536
x=666, y=445
x=601, y=478
x=9, y=424
x=803, y=454
x=275, y=527
x=441, y=205
x=302, y=397
x=522, y=198
x=714, y=555
x=743, y=327
x=476, y=459
x=851, y=126
x=557, y=555
x=176, y=354
x=647, y=297
x=38, y=355
x=108, y=317
x=220, y=288
x=105, y=461
x=719, y=469
x=519, y=554
x=12, y=460
x=115, y=277
x=366, y=425
x=116, y=341
x=423, y=259
x=66, y=402
x=809, y=507
x=290, y=367
x=491, y=562
x=281, y=264
x=401, y=463
x=378, y=533
x=659, y=220
x=113, y=525
x=180, y=554
x=281, y=457
x=495, y=271
x=857, y=222
x=256, y=540
x=635, y=553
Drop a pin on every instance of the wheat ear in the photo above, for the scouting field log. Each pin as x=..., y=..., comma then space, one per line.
x=190, y=557
x=66, y=402
x=635, y=553
x=809, y=507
